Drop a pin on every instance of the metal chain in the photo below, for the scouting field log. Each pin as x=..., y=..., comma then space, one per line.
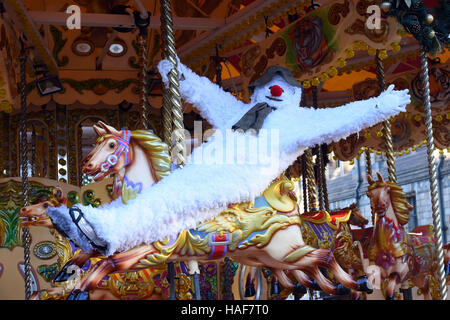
x=432, y=174
x=386, y=125
x=143, y=80
x=26, y=237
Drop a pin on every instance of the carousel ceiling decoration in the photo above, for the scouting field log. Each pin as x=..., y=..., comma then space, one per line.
x=329, y=48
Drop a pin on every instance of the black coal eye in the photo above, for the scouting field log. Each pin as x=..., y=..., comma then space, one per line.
x=111, y=145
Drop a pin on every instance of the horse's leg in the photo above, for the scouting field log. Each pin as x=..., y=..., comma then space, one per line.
x=283, y=278
x=250, y=290
x=301, y=286
x=310, y=264
x=118, y=262
x=78, y=260
x=394, y=279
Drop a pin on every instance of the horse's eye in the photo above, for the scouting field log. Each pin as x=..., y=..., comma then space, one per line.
x=111, y=145
x=45, y=205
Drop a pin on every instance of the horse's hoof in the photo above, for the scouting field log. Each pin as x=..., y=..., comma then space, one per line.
x=315, y=286
x=340, y=290
x=275, y=290
x=78, y=295
x=364, y=285
x=250, y=291
x=299, y=289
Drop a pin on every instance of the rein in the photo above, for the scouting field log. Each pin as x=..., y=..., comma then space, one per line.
x=124, y=147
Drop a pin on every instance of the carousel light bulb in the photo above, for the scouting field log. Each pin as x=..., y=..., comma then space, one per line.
x=315, y=81
x=429, y=19
x=432, y=34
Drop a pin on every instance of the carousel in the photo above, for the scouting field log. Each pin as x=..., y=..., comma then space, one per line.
x=104, y=194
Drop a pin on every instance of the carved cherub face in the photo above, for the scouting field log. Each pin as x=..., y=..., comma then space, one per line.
x=277, y=93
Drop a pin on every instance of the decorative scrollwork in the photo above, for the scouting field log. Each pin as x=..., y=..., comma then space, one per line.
x=337, y=10
x=278, y=47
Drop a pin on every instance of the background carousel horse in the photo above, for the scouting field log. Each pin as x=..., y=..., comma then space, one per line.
x=265, y=232
x=324, y=230
x=395, y=255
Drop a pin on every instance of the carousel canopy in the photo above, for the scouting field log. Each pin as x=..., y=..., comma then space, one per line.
x=326, y=44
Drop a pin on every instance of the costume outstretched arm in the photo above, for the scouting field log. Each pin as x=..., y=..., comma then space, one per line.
x=328, y=125
x=215, y=105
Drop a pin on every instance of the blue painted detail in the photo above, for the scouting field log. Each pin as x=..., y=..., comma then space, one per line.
x=261, y=202
x=251, y=235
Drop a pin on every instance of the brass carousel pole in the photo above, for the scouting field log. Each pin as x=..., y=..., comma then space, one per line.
x=26, y=237
x=432, y=174
x=386, y=125
x=313, y=203
x=173, y=117
x=368, y=163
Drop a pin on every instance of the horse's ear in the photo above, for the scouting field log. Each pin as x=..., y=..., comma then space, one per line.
x=109, y=129
x=98, y=130
x=380, y=177
x=370, y=179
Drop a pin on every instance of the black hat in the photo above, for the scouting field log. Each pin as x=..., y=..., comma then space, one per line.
x=270, y=73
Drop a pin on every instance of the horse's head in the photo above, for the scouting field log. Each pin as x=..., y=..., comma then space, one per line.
x=35, y=214
x=356, y=218
x=111, y=153
x=379, y=195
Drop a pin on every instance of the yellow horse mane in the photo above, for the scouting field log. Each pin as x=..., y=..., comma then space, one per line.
x=156, y=149
x=398, y=199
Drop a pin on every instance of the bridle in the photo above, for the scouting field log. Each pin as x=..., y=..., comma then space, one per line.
x=124, y=147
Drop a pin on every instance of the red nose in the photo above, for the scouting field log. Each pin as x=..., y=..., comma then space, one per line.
x=276, y=91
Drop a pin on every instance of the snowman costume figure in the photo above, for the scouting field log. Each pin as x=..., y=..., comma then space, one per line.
x=202, y=189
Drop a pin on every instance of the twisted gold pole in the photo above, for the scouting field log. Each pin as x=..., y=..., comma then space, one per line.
x=304, y=184
x=143, y=80
x=323, y=181
x=386, y=124
x=172, y=108
x=432, y=174
x=368, y=163
x=166, y=107
x=174, y=84
x=26, y=238
x=312, y=195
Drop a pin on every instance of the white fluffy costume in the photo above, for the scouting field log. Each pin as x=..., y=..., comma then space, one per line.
x=202, y=189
